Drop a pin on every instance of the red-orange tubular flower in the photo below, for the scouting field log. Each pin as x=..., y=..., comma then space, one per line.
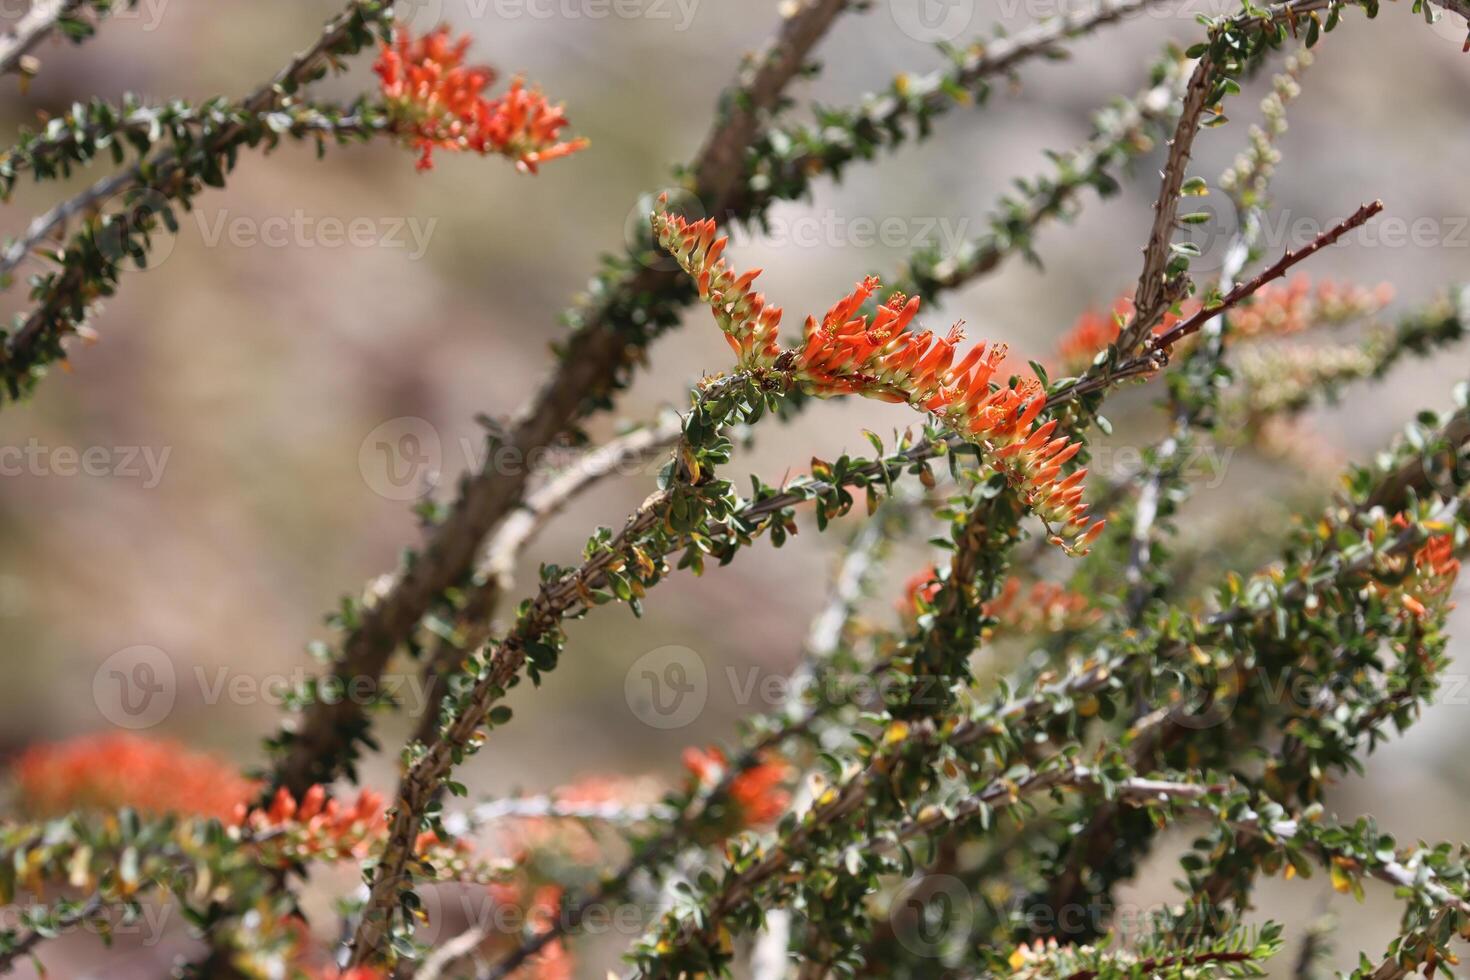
x=316, y=826
x=749, y=324
x=1433, y=575
x=1017, y=609
x=1094, y=331
x=349, y=973
x=848, y=352
x=1280, y=309
x=1275, y=310
x=757, y=792
x=1040, y=606
x=437, y=102
x=920, y=591
x=539, y=905
x=106, y=772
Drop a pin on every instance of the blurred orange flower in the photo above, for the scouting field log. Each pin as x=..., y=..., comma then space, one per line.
x=317, y=825
x=106, y=772
x=756, y=792
x=1276, y=309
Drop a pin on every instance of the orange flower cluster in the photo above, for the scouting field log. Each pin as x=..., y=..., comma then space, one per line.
x=1275, y=310
x=1281, y=309
x=542, y=905
x=749, y=324
x=106, y=772
x=1044, y=606
x=837, y=349
x=318, y=827
x=351, y=973
x=920, y=590
x=1435, y=571
x=847, y=352
x=438, y=102
x=756, y=792
x=882, y=358
x=1093, y=332
x=1091, y=335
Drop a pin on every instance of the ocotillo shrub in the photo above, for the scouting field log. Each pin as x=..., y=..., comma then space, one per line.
x=962, y=783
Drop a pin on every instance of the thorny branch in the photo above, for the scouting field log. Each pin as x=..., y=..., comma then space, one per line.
x=595, y=356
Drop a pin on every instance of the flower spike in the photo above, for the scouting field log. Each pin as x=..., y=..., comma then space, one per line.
x=847, y=351
x=749, y=324
x=437, y=102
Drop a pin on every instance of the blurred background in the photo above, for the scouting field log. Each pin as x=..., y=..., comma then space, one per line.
x=240, y=387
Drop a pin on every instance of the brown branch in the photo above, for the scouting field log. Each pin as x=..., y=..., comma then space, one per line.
x=594, y=358
x=1297, y=8
x=463, y=732
x=1276, y=270
x=163, y=171
x=420, y=785
x=721, y=162
x=1155, y=353
x=473, y=621
x=822, y=642
x=1151, y=295
x=885, y=112
x=44, y=225
x=847, y=798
